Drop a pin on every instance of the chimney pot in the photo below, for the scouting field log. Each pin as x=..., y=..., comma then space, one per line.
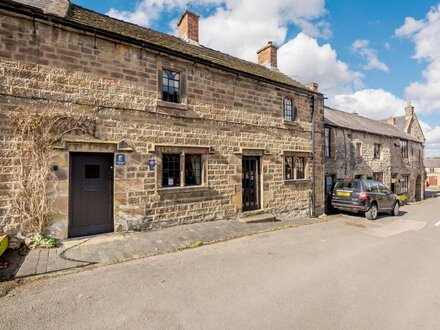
x=267, y=55
x=313, y=86
x=189, y=27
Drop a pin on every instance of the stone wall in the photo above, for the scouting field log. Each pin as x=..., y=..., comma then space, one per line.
x=222, y=114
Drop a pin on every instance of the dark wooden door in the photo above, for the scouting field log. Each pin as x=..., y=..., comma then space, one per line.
x=251, y=198
x=91, y=194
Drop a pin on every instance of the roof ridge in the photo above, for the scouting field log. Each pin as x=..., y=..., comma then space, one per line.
x=171, y=37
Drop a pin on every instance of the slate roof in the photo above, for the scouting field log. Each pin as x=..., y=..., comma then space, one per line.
x=41, y=4
x=339, y=118
x=98, y=21
x=432, y=163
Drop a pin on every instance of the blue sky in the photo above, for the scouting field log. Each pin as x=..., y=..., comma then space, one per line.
x=368, y=56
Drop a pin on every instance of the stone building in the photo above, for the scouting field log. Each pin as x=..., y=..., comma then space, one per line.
x=360, y=147
x=178, y=133
x=432, y=167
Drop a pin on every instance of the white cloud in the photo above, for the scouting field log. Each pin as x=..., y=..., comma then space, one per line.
x=307, y=61
x=424, y=33
x=362, y=48
x=239, y=27
x=372, y=103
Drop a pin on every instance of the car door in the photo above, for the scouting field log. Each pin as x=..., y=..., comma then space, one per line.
x=386, y=198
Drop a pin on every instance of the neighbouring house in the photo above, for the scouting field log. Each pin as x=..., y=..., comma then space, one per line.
x=174, y=132
x=360, y=147
x=432, y=167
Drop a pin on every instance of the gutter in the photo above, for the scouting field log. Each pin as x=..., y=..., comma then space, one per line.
x=313, y=199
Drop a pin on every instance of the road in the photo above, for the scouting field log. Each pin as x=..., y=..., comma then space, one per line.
x=342, y=274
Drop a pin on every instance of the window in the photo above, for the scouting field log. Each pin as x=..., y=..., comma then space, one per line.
x=431, y=170
x=170, y=170
x=358, y=176
x=404, y=148
x=181, y=169
x=329, y=179
x=404, y=184
x=378, y=176
x=377, y=148
x=170, y=86
x=383, y=189
x=327, y=142
x=193, y=170
x=358, y=149
x=289, y=111
x=295, y=167
x=91, y=171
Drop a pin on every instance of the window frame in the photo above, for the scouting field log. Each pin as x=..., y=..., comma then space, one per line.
x=327, y=142
x=295, y=156
x=404, y=148
x=404, y=188
x=293, y=114
x=174, y=72
x=377, y=151
x=358, y=151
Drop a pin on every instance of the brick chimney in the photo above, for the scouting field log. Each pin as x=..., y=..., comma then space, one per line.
x=189, y=27
x=313, y=86
x=409, y=109
x=391, y=121
x=267, y=56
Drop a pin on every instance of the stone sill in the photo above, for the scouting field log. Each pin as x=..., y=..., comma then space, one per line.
x=171, y=105
x=177, y=190
x=291, y=123
x=297, y=181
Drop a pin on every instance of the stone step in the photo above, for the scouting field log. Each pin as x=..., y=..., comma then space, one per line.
x=258, y=218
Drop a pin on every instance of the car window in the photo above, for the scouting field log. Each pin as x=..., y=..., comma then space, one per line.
x=374, y=186
x=367, y=185
x=348, y=185
x=383, y=189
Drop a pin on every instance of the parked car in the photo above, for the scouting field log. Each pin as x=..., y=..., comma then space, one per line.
x=368, y=196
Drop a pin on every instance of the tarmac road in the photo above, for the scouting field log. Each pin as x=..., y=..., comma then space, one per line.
x=342, y=274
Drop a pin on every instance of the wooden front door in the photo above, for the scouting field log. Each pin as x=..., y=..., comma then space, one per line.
x=91, y=194
x=251, y=186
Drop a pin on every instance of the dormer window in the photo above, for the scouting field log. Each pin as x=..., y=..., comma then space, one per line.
x=289, y=110
x=170, y=86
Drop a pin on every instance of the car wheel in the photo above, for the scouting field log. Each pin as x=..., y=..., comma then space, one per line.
x=371, y=214
x=396, y=210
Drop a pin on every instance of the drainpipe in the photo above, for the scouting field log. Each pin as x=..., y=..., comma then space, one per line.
x=312, y=213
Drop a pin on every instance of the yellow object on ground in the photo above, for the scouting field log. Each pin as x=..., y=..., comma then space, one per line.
x=4, y=241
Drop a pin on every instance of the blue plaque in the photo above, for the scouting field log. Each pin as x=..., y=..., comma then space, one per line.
x=120, y=159
x=152, y=164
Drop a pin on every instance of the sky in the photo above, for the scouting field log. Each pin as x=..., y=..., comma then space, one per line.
x=367, y=56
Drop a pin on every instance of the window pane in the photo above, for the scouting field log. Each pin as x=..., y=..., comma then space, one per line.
x=288, y=110
x=170, y=170
x=193, y=170
x=300, y=164
x=171, y=86
x=91, y=171
x=288, y=167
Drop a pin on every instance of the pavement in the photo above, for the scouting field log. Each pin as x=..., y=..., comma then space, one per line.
x=101, y=250
x=345, y=273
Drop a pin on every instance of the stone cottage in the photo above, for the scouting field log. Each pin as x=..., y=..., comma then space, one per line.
x=177, y=133
x=360, y=147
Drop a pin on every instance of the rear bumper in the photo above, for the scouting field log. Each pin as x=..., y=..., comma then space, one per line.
x=351, y=207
